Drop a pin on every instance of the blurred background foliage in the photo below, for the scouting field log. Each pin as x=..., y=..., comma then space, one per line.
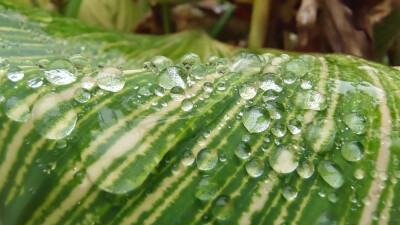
x=365, y=28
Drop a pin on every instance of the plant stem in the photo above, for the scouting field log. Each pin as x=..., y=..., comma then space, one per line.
x=166, y=18
x=223, y=20
x=259, y=23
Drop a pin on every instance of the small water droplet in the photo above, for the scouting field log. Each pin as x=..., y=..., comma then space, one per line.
x=256, y=119
x=15, y=73
x=111, y=79
x=306, y=85
x=297, y=66
x=78, y=60
x=171, y=77
x=278, y=129
x=188, y=158
x=332, y=197
x=355, y=122
x=270, y=95
x=206, y=189
x=222, y=207
x=186, y=105
x=190, y=59
x=177, y=93
x=81, y=95
x=53, y=117
x=221, y=86
x=352, y=151
x=310, y=99
x=212, y=60
x=305, y=169
x=248, y=91
x=16, y=109
x=208, y=86
x=43, y=63
x=60, y=72
x=294, y=126
x=35, y=80
x=271, y=81
x=330, y=174
x=246, y=63
x=206, y=159
x=275, y=109
x=358, y=174
x=255, y=167
x=243, y=150
x=198, y=71
x=246, y=138
x=221, y=69
x=289, y=193
x=289, y=77
x=159, y=63
x=88, y=83
x=284, y=159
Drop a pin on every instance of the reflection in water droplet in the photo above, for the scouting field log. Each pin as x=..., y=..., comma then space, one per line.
x=53, y=117
x=355, y=122
x=284, y=159
x=332, y=197
x=330, y=174
x=206, y=159
x=15, y=73
x=212, y=60
x=247, y=91
x=352, y=151
x=305, y=169
x=60, y=72
x=171, y=77
x=243, y=150
x=81, y=95
x=222, y=207
x=256, y=119
x=206, y=189
x=255, y=167
x=16, y=109
x=111, y=79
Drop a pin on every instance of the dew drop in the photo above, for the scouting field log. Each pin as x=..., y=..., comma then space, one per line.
x=188, y=158
x=284, y=159
x=221, y=69
x=159, y=63
x=198, y=71
x=221, y=86
x=60, y=72
x=310, y=99
x=111, y=79
x=43, y=63
x=177, y=93
x=212, y=60
x=206, y=189
x=16, y=109
x=289, y=77
x=248, y=91
x=355, y=122
x=306, y=85
x=35, y=81
x=222, y=207
x=352, y=151
x=271, y=81
x=171, y=77
x=256, y=119
x=245, y=63
x=206, y=159
x=289, y=193
x=190, y=59
x=243, y=150
x=186, y=105
x=78, y=60
x=294, y=126
x=208, y=86
x=330, y=174
x=278, y=129
x=255, y=167
x=358, y=174
x=305, y=169
x=88, y=83
x=270, y=95
x=297, y=66
x=53, y=117
x=145, y=91
x=15, y=73
x=332, y=197
x=275, y=109
x=81, y=95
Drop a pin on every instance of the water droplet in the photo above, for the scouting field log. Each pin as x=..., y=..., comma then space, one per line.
x=279, y=129
x=159, y=63
x=330, y=174
x=78, y=60
x=270, y=95
x=358, y=174
x=208, y=86
x=289, y=193
x=248, y=91
x=352, y=151
x=15, y=73
x=190, y=59
x=222, y=207
x=332, y=197
x=221, y=69
x=297, y=66
x=256, y=119
x=355, y=122
x=2, y=98
x=111, y=79
x=177, y=93
x=88, y=83
x=277, y=61
x=221, y=86
x=294, y=126
x=306, y=85
x=186, y=105
x=255, y=167
x=284, y=159
x=198, y=71
x=43, y=63
x=60, y=72
x=206, y=159
x=246, y=63
x=206, y=189
x=188, y=158
x=16, y=109
x=81, y=95
x=171, y=77
x=246, y=138
x=310, y=99
x=212, y=60
x=53, y=117
x=305, y=169
x=271, y=81
x=35, y=80
x=243, y=150
x=275, y=109
x=289, y=77
x=145, y=91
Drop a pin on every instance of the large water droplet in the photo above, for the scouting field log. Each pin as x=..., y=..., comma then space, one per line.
x=248, y=91
x=352, y=151
x=297, y=66
x=212, y=60
x=198, y=71
x=208, y=86
x=243, y=150
x=177, y=93
x=16, y=109
x=289, y=77
x=271, y=81
x=206, y=189
x=206, y=159
x=310, y=99
x=355, y=122
x=111, y=79
x=256, y=119
x=159, y=63
x=81, y=95
x=275, y=109
x=305, y=169
x=190, y=59
x=188, y=158
x=284, y=159
x=53, y=117
x=186, y=105
x=330, y=174
x=15, y=73
x=246, y=63
x=171, y=77
x=222, y=207
x=255, y=167
x=60, y=72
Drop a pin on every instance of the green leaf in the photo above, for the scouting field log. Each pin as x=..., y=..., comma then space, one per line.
x=87, y=136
